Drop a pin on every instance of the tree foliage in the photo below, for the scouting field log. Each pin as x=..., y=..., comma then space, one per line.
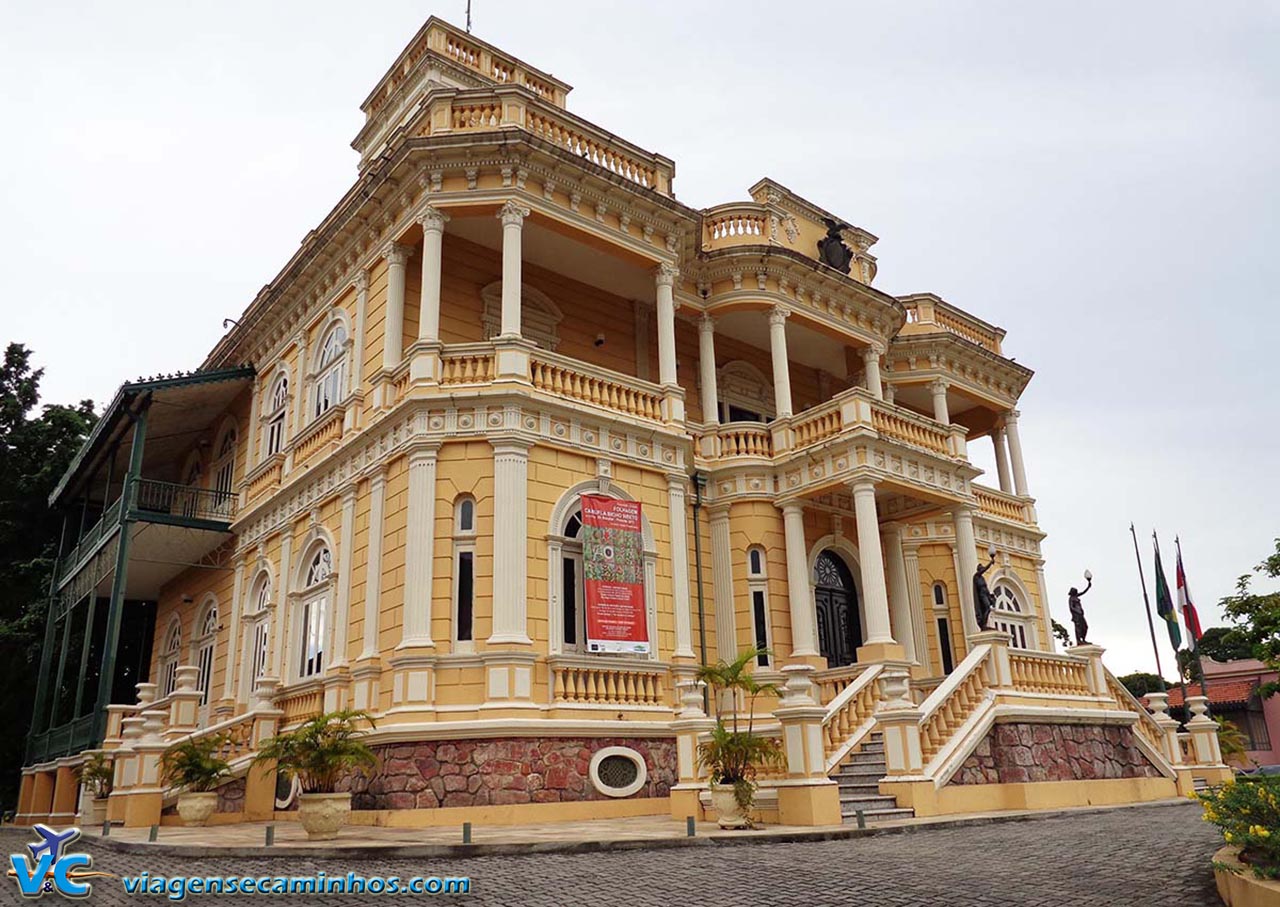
x=1140, y=683
x=1257, y=616
x=1189, y=666
x=1225, y=644
x=35, y=450
x=1062, y=634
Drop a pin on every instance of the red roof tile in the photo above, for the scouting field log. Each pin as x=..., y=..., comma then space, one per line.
x=1221, y=692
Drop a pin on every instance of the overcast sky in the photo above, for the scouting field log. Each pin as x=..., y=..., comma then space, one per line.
x=1100, y=179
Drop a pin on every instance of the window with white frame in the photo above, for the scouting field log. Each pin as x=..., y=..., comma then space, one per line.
x=169, y=660
x=224, y=470
x=758, y=592
x=261, y=633
x=1009, y=615
x=277, y=410
x=464, y=571
x=572, y=585
x=314, y=619
x=205, y=641
x=331, y=370
x=941, y=615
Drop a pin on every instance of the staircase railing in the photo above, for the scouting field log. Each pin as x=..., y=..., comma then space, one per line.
x=946, y=710
x=851, y=716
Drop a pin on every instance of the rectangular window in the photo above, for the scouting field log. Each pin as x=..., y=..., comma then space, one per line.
x=466, y=595
x=259, y=649
x=275, y=435
x=312, y=638
x=762, y=628
x=944, y=643
x=569, y=572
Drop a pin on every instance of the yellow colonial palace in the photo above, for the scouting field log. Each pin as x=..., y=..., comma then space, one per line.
x=369, y=495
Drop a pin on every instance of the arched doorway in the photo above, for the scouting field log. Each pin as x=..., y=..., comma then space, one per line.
x=836, y=600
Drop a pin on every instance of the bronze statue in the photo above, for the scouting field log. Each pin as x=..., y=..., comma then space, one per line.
x=831, y=248
x=983, y=600
x=1077, y=611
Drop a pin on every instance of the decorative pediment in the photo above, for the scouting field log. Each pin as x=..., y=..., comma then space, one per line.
x=539, y=317
x=742, y=384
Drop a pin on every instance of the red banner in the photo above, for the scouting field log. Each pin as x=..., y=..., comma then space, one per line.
x=613, y=570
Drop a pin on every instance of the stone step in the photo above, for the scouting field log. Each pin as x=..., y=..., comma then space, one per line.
x=860, y=773
x=858, y=758
x=878, y=815
x=865, y=803
x=858, y=787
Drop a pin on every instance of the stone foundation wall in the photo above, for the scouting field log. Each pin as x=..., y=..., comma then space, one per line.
x=231, y=797
x=502, y=771
x=1014, y=753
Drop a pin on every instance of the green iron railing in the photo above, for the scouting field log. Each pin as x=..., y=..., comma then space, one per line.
x=153, y=496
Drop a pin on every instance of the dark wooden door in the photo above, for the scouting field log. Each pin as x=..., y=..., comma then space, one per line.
x=836, y=600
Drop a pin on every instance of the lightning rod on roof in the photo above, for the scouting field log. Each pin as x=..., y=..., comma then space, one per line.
x=468, y=16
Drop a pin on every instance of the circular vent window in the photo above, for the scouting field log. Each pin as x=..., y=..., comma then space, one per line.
x=618, y=771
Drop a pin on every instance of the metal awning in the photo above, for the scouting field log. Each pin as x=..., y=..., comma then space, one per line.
x=179, y=408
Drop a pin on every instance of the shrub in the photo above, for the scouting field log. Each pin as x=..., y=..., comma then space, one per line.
x=320, y=752
x=96, y=773
x=1249, y=816
x=196, y=764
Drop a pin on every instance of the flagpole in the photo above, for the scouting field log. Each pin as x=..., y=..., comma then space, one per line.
x=1182, y=683
x=1147, y=602
x=1204, y=685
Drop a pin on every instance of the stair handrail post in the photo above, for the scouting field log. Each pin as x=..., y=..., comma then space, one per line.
x=899, y=721
x=1158, y=702
x=809, y=797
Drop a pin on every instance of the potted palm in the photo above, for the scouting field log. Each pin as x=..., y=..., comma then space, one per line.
x=198, y=768
x=734, y=753
x=96, y=774
x=320, y=753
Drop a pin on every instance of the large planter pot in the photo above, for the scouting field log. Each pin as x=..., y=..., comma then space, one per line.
x=728, y=813
x=1238, y=886
x=322, y=815
x=93, y=812
x=195, y=809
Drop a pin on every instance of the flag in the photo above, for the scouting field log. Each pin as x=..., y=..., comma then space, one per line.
x=1164, y=602
x=1187, y=606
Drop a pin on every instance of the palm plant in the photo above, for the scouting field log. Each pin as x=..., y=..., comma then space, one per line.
x=1232, y=742
x=196, y=764
x=320, y=751
x=96, y=772
x=734, y=754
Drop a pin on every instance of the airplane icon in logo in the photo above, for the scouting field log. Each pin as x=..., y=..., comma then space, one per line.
x=53, y=842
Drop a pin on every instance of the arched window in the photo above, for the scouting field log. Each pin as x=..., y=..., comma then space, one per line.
x=260, y=602
x=205, y=641
x=941, y=613
x=572, y=588
x=758, y=590
x=1009, y=615
x=277, y=410
x=331, y=370
x=314, y=623
x=169, y=660
x=464, y=572
x=224, y=470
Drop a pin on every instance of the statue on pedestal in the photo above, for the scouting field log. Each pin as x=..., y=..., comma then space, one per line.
x=983, y=600
x=1077, y=611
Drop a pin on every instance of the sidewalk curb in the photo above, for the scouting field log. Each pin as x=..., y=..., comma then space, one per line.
x=457, y=851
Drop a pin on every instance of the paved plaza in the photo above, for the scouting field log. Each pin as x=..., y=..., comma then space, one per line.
x=1156, y=856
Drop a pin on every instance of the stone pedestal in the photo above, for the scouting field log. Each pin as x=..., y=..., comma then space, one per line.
x=899, y=723
x=808, y=796
x=999, y=674
x=691, y=721
x=1097, y=672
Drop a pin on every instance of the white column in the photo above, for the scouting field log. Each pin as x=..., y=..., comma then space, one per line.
x=1002, y=460
x=300, y=387
x=237, y=606
x=1015, y=453
x=510, y=540
x=664, y=280
x=1047, y=642
x=781, y=365
x=393, y=328
x=281, y=615
x=722, y=582
x=357, y=346
x=373, y=570
x=871, y=561
x=512, y=217
x=871, y=360
x=432, y=222
x=899, y=600
x=680, y=566
x=804, y=634
x=941, y=412
x=967, y=561
x=419, y=553
x=707, y=369
x=911, y=561
x=345, y=554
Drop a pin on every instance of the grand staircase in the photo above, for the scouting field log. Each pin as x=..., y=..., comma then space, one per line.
x=859, y=779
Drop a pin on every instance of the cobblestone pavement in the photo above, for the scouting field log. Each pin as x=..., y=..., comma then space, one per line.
x=1139, y=857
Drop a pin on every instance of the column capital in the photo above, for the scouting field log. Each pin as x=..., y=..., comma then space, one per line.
x=778, y=315
x=664, y=275
x=423, y=452
x=706, y=324
x=863, y=485
x=361, y=281
x=510, y=446
x=512, y=214
x=349, y=494
x=939, y=385
x=790, y=507
x=873, y=351
x=1011, y=416
x=892, y=528
x=396, y=254
x=431, y=218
